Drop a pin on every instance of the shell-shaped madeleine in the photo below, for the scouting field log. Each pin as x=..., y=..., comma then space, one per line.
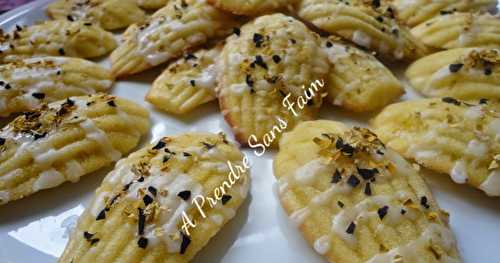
x=180, y=26
x=56, y=38
x=416, y=12
x=29, y=83
x=65, y=140
x=462, y=73
x=370, y=25
x=109, y=14
x=357, y=81
x=460, y=30
x=187, y=83
x=163, y=203
x=356, y=201
x=448, y=136
x=271, y=76
x=250, y=7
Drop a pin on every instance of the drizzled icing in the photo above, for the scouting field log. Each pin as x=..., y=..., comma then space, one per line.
x=389, y=209
x=469, y=153
x=44, y=75
x=161, y=27
x=44, y=154
x=150, y=169
x=411, y=252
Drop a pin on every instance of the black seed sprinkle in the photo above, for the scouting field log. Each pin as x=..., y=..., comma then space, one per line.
x=61, y=52
x=258, y=39
x=186, y=154
x=351, y=228
x=353, y=181
x=190, y=56
x=345, y=148
x=87, y=24
x=236, y=31
x=152, y=190
x=112, y=103
x=336, y=177
x=260, y=62
x=69, y=102
x=382, y=212
x=376, y=3
x=225, y=199
x=142, y=242
x=140, y=180
x=249, y=81
x=8, y=86
x=38, y=95
x=141, y=222
x=451, y=100
x=423, y=202
x=340, y=204
x=455, y=67
x=276, y=59
x=70, y=18
x=403, y=211
x=367, y=174
x=293, y=41
x=395, y=32
x=380, y=19
x=2, y=141
x=329, y=44
x=483, y=101
x=185, y=243
x=94, y=241
x=159, y=145
x=185, y=195
x=19, y=28
x=147, y=200
x=87, y=235
x=192, y=82
x=368, y=189
x=101, y=215
x=38, y=136
x=2, y=83
x=166, y=158
x=488, y=70
x=168, y=151
x=127, y=186
x=208, y=145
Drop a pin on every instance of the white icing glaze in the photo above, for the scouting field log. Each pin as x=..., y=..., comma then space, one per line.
x=4, y=197
x=322, y=245
x=99, y=202
x=298, y=217
x=474, y=113
x=94, y=133
x=491, y=186
x=477, y=148
x=217, y=219
x=207, y=78
x=12, y=175
x=239, y=88
x=306, y=174
x=411, y=252
x=362, y=39
x=48, y=179
x=459, y=172
x=74, y=171
x=493, y=129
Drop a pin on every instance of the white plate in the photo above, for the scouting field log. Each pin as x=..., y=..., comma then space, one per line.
x=35, y=229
